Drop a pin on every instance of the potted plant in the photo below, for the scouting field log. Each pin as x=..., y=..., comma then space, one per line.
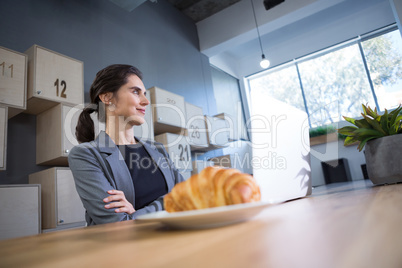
x=382, y=139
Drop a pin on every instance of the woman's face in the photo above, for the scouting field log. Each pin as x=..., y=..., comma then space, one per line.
x=131, y=101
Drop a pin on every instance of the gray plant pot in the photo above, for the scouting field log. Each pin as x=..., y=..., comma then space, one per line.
x=383, y=159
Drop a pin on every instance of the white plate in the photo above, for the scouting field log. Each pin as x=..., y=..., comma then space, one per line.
x=206, y=218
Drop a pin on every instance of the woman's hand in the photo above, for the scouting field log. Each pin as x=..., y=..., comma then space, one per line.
x=118, y=201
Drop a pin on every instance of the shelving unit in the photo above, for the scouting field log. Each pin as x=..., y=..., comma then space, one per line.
x=13, y=82
x=217, y=132
x=53, y=78
x=168, y=111
x=61, y=205
x=178, y=149
x=55, y=134
x=196, y=131
x=20, y=213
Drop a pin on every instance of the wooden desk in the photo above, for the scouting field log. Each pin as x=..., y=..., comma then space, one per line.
x=342, y=225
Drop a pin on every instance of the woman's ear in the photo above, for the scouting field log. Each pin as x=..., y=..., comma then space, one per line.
x=106, y=97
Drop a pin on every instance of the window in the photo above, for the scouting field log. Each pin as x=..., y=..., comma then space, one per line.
x=384, y=59
x=282, y=85
x=334, y=83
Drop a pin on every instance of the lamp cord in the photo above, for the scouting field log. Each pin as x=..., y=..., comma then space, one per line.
x=256, y=25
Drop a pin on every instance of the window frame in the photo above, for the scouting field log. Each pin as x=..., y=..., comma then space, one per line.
x=353, y=41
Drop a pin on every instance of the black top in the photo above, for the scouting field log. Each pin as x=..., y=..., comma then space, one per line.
x=148, y=180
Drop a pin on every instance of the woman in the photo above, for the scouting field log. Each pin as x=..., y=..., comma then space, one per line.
x=118, y=176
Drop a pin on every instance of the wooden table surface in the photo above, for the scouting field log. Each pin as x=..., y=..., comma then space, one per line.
x=351, y=224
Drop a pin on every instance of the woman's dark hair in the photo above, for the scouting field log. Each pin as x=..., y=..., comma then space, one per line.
x=109, y=79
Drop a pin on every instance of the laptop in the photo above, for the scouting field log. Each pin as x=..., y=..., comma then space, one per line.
x=280, y=149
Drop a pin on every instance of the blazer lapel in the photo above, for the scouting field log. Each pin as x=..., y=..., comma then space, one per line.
x=121, y=174
x=160, y=161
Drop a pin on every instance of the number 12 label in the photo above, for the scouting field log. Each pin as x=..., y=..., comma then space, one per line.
x=64, y=85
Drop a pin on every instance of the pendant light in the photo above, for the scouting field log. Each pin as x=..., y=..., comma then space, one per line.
x=264, y=63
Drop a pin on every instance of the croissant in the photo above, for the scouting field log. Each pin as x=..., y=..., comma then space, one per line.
x=212, y=187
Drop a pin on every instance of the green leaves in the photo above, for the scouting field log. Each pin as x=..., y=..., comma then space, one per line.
x=350, y=120
x=348, y=131
x=372, y=126
x=375, y=125
x=384, y=121
x=368, y=111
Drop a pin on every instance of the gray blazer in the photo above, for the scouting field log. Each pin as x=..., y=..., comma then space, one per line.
x=98, y=166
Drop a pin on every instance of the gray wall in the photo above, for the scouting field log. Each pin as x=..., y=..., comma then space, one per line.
x=155, y=37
